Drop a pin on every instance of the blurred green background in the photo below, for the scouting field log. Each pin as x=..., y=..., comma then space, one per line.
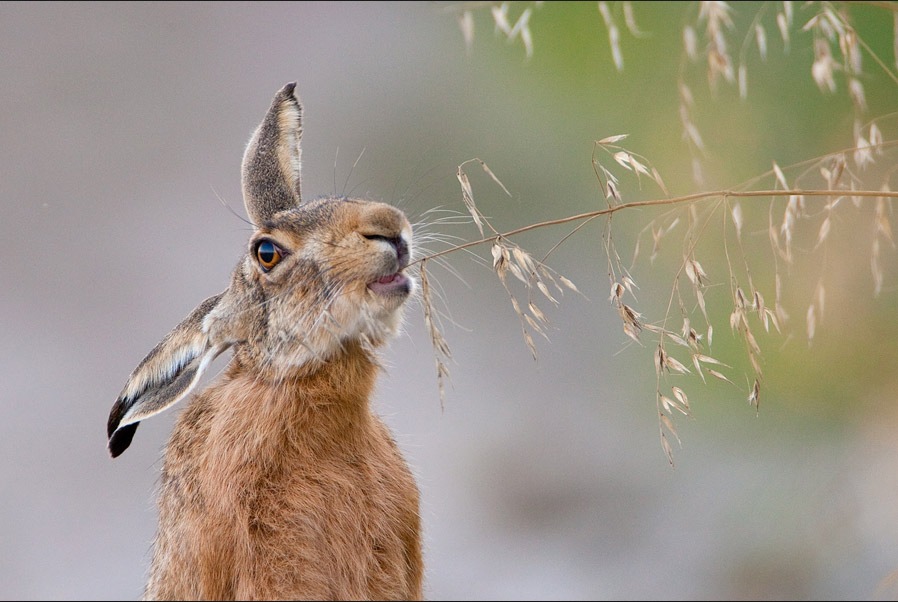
x=123, y=128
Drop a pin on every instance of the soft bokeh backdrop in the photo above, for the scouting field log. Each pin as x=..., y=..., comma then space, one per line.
x=123, y=127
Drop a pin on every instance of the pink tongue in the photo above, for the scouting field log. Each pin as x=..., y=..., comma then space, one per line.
x=387, y=279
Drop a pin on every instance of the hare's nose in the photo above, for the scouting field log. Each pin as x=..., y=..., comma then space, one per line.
x=402, y=254
x=399, y=245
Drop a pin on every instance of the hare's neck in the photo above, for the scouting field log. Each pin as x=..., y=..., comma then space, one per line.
x=311, y=410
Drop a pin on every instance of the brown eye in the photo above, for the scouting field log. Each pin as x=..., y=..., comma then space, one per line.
x=268, y=254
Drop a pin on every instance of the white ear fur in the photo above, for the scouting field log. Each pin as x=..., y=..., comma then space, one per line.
x=165, y=376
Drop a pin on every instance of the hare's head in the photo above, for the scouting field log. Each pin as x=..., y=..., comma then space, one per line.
x=317, y=275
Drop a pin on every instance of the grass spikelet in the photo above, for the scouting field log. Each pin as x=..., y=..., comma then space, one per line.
x=613, y=35
x=442, y=353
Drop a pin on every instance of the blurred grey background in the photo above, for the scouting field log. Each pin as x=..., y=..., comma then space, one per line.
x=123, y=127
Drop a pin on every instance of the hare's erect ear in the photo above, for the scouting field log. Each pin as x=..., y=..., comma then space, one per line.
x=164, y=377
x=271, y=163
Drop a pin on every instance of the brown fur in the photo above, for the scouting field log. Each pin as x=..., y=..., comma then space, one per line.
x=279, y=481
x=290, y=491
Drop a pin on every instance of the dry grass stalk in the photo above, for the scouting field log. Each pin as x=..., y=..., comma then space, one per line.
x=441, y=352
x=749, y=306
x=793, y=201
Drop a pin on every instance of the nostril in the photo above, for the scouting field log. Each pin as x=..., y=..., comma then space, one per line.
x=398, y=243
x=401, y=250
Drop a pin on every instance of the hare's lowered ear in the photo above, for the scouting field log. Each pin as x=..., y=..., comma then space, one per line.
x=271, y=163
x=165, y=376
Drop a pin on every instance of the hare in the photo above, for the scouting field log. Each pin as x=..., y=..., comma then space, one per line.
x=279, y=481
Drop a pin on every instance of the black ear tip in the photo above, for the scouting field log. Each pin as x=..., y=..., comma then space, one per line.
x=121, y=439
x=115, y=415
x=289, y=89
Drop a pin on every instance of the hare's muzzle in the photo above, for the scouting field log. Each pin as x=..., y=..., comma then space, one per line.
x=394, y=283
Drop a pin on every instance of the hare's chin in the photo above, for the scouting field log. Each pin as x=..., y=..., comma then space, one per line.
x=391, y=285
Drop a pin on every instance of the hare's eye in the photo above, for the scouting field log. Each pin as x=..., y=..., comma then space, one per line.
x=268, y=254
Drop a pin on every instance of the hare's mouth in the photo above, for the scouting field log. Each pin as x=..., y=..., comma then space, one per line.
x=396, y=283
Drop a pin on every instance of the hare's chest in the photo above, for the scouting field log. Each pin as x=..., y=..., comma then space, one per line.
x=350, y=521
